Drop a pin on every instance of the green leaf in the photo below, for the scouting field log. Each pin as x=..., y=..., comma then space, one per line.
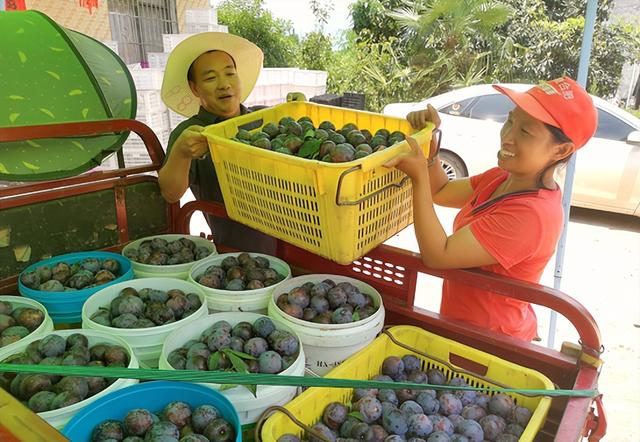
x=240, y=354
x=309, y=134
x=309, y=148
x=357, y=415
x=224, y=387
x=253, y=389
x=238, y=364
x=214, y=359
x=356, y=316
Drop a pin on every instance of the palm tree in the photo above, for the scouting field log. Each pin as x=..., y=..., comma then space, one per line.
x=453, y=28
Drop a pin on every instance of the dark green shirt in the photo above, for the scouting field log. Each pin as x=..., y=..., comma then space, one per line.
x=204, y=184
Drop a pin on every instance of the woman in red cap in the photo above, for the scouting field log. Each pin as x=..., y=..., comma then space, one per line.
x=511, y=216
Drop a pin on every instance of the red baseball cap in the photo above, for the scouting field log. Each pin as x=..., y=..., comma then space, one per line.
x=562, y=103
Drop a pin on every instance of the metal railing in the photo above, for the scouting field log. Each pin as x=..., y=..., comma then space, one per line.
x=138, y=25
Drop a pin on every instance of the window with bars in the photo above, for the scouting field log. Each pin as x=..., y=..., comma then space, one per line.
x=138, y=25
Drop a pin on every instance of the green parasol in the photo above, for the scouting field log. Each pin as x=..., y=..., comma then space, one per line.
x=50, y=75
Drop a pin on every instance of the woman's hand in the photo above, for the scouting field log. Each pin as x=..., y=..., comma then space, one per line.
x=191, y=143
x=419, y=119
x=413, y=163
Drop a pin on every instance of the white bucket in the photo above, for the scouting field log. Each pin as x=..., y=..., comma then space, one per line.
x=43, y=329
x=179, y=271
x=58, y=418
x=146, y=342
x=248, y=406
x=327, y=345
x=255, y=301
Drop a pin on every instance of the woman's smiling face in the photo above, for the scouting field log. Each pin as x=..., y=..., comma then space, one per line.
x=216, y=83
x=527, y=146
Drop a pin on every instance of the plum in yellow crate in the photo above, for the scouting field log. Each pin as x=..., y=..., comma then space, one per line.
x=425, y=414
x=336, y=210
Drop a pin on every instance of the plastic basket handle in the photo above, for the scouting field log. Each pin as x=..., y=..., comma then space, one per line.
x=384, y=157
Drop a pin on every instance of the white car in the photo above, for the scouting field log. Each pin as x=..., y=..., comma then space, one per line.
x=607, y=168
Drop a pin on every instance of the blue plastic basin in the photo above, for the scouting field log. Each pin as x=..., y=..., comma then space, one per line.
x=66, y=307
x=152, y=396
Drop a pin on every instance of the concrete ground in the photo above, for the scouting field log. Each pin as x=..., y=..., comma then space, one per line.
x=602, y=271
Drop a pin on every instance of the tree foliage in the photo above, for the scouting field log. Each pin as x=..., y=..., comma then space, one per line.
x=371, y=23
x=370, y=68
x=249, y=19
x=545, y=39
x=407, y=50
x=497, y=41
x=315, y=51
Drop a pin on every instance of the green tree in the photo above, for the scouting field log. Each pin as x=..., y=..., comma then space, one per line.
x=315, y=51
x=543, y=39
x=453, y=29
x=249, y=19
x=371, y=23
x=377, y=70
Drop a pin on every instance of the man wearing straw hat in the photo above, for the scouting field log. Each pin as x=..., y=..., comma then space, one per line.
x=206, y=79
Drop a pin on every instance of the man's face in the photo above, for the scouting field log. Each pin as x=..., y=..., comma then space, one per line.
x=216, y=83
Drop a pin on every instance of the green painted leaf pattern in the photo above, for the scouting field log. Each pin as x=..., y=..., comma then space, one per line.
x=29, y=97
x=47, y=112
x=53, y=74
x=30, y=166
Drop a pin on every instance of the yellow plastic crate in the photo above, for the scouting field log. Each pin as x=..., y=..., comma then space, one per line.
x=338, y=211
x=309, y=406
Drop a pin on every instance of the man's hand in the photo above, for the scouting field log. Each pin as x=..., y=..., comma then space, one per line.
x=191, y=143
x=419, y=119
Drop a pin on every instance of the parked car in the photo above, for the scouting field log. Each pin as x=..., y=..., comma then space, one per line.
x=607, y=168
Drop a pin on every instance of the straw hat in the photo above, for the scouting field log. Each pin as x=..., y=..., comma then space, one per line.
x=176, y=93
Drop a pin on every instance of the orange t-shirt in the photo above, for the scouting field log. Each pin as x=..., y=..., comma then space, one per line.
x=520, y=230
